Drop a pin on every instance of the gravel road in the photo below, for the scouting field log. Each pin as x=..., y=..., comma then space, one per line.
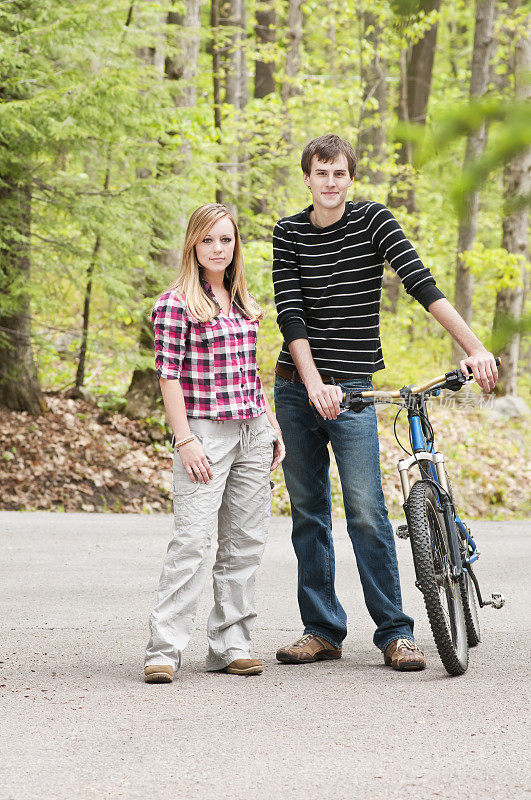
x=77, y=720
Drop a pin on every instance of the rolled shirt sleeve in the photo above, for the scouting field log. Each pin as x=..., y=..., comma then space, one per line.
x=170, y=325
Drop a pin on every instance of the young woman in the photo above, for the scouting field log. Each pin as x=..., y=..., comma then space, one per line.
x=227, y=440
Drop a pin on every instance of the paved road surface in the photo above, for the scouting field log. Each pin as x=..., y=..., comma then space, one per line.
x=78, y=722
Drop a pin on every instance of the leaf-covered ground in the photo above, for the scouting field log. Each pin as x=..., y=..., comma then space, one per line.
x=80, y=458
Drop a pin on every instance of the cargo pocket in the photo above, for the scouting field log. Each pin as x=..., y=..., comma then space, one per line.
x=266, y=438
x=272, y=432
x=183, y=486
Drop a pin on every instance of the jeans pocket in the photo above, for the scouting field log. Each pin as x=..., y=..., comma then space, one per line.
x=281, y=383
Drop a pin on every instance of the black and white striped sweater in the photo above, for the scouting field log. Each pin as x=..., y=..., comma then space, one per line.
x=328, y=284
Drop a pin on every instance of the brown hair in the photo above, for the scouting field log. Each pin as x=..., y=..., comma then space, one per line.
x=327, y=148
x=199, y=304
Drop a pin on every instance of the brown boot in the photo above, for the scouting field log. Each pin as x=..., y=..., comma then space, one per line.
x=307, y=649
x=404, y=655
x=158, y=674
x=244, y=666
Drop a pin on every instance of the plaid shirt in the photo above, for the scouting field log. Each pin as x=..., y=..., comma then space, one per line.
x=214, y=361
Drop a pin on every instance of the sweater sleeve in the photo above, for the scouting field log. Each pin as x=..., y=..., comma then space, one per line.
x=391, y=243
x=170, y=325
x=286, y=281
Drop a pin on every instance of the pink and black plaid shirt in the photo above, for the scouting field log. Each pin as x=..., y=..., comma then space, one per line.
x=214, y=361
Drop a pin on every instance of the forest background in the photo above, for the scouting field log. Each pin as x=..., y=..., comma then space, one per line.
x=118, y=119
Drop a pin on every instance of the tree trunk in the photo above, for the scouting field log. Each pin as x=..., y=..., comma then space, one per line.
x=264, y=85
x=19, y=385
x=216, y=79
x=265, y=30
x=143, y=394
x=80, y=372
x=182, y=67
x=372, y=135
x=420, y=68
x=517, y=183
x=289, y=89
x=242, y=51
x=293, y=49
x=232, y=17
x=228, y=22
x=416, y=69
x=476, y=141
x=414, y=95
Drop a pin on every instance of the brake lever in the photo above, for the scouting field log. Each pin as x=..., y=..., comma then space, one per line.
x=353, y=401
x=455, y=380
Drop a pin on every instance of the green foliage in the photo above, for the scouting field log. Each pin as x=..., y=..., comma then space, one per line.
x=507, y=328
x=510, y=135
x=87, y=116
x=495, y=267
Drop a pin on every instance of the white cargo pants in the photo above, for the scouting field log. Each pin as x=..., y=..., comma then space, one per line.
x=237, y=504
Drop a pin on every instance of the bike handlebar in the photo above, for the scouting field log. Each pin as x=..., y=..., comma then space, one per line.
x=453, y=380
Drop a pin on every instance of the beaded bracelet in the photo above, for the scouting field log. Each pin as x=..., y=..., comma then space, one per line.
x=184, y=441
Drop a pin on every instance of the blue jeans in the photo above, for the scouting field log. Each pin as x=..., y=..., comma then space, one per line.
x=354, y=440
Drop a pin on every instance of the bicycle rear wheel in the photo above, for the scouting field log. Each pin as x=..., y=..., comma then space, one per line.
x=470, y=608
x=443, y=595
x=468, y=590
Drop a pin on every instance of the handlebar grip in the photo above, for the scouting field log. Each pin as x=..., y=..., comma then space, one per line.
x=497, y=361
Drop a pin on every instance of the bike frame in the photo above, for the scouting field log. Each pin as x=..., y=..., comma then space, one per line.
x=431, y=466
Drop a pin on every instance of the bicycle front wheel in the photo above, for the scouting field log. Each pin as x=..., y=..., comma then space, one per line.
x=443, y=594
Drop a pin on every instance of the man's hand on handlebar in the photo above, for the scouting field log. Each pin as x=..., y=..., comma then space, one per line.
x=483, y=366
x=326, y=398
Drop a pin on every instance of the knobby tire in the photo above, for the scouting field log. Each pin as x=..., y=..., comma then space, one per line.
x=468, y=591
x=443, y=596
x=470, y=608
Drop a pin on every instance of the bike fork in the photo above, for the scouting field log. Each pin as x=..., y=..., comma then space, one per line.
x=435, y=461
x=449, y=519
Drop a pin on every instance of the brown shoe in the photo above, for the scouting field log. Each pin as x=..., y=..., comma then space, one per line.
x=403, y=655
x=244, y=666
x=307, y=649
x=158, y=674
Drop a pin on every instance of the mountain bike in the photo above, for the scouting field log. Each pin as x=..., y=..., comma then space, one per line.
x=444, y=551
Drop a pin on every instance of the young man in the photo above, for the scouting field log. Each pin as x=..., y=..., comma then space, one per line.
x=327, y=273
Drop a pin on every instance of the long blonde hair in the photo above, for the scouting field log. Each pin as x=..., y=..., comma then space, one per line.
x=199, y=304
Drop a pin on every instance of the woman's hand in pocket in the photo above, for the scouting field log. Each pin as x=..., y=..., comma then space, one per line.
x=195, y=462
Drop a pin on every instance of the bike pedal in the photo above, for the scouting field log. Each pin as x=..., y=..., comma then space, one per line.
x=497, y=600
x=402, y=532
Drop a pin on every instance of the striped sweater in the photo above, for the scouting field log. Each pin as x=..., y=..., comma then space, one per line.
x=328, y=284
